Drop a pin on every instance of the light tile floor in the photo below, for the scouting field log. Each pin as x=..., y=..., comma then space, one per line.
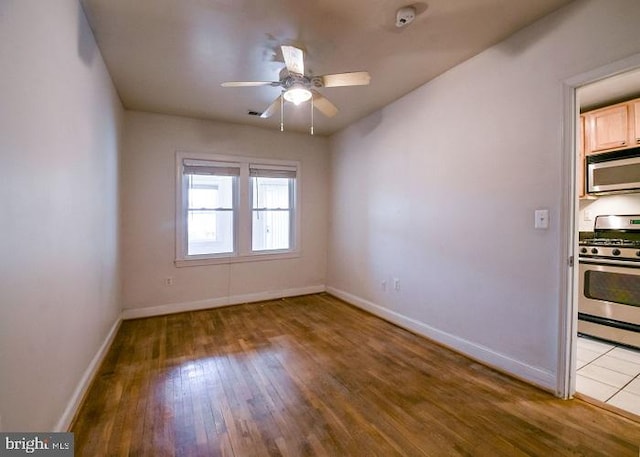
x=609, y=373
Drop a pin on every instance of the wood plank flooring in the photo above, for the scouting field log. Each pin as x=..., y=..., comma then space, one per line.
x=313, y=376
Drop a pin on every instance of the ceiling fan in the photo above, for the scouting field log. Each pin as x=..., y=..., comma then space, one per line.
x=298, y=87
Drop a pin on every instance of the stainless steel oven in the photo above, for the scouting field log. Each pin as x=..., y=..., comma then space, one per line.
x=609, y=285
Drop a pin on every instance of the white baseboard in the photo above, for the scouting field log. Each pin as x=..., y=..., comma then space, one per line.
x=136, y=313
x=78, y=394
x=534, y=375
x=542, y=378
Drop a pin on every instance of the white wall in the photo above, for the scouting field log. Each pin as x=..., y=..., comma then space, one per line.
x=149, y=168
x=439, y=188
x=59, y=133
x=608, y=204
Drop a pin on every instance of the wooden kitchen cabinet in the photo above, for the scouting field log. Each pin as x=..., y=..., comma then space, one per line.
x=636, y=123
x=608, y=128
x=611, y=128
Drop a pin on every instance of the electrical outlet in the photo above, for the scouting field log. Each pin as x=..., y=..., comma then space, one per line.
x=168, y=281
x=396, y=284
x=587, y=215
x=383, y=285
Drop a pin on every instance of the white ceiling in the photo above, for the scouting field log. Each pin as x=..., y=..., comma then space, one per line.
x=610, y=90
x=170, y=56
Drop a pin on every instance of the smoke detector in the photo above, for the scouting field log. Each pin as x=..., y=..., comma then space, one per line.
x=405, y=16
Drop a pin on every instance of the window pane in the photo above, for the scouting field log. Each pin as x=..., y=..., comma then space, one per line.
x=270, y=192
x=203, y=198
x=209, y=232
x=210, y=191
x=202, y=226
x=271, y=230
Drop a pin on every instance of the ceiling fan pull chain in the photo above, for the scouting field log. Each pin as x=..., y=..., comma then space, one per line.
x=281, y=113
x=312, y=115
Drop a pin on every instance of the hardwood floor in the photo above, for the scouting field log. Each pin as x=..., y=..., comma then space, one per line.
x=313, y=376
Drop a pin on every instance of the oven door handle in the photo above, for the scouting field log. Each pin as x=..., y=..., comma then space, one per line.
x=612, y=262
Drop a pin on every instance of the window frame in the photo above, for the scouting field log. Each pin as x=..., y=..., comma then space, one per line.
x=234, y=216
x=243, y=213
x=291, y=201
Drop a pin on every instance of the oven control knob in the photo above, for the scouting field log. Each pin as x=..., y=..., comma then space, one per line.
x=615, y=252
x=594, y=251
x=638, y=253
x=584, y=250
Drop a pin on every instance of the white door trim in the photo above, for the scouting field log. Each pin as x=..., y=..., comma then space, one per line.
x=568, y=318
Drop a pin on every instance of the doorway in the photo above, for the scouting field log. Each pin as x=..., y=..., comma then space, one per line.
x=591, y=368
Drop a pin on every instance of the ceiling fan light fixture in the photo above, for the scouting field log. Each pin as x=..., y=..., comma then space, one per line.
x=297, y=94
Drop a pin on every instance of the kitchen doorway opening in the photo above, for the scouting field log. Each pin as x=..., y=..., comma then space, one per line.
x=582, y=360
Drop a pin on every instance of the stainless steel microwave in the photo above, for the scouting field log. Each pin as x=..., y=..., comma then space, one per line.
x=613, y=172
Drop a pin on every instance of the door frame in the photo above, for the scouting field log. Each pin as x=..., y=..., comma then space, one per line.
x=568, y=319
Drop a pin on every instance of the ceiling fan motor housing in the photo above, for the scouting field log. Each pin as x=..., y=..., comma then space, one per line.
x=293, y=79
x=288, y=79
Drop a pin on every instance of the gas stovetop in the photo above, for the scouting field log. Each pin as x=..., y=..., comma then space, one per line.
x=615, y=242
x=614, y=237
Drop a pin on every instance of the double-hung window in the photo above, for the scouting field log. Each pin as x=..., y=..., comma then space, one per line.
x=211, y=189
x=272, y=197
x=235, y=209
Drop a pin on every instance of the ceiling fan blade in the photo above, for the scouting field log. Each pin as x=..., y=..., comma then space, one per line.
x=356, y=78
x=293, y=59
x=271, y=108
x=249, y=83
x=323, y=105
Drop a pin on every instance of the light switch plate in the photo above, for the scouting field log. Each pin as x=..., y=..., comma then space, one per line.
x=541, y=219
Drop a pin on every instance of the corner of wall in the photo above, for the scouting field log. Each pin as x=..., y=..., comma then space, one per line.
x=75, y=402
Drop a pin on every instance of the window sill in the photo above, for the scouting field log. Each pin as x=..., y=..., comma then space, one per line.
x=235, y=259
